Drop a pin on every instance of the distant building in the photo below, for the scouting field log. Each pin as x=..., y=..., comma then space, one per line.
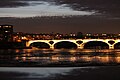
x=79, y=35
x=6, y=32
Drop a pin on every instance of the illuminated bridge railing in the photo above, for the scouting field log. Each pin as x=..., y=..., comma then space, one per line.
x=76, y=43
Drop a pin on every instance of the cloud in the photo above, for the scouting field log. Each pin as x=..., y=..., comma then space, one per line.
x=12, y=3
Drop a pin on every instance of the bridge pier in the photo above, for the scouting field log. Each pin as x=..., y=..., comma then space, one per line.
x=111, y=47
x=80, y=47
x=27, y=44
x=51, y=47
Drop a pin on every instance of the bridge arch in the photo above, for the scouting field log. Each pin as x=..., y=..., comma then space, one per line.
x=96, y=45
x=41, y=45
x=117, y=45
x=65, y=45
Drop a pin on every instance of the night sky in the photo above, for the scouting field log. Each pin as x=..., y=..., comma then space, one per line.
x=61, y=16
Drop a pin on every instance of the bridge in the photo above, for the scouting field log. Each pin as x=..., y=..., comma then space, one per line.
x=76, y=43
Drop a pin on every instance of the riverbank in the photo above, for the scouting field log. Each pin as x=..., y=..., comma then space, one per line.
x=65, y=73
x=13, y=45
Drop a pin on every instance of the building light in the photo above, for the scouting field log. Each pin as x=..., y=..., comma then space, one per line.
x=17, y=33
x=6, y=31
x=74, y=35
x=5, y=26
x=9, y=26
x=24, y=38
x=104, y=34
x=18, y=40
x=88, y=34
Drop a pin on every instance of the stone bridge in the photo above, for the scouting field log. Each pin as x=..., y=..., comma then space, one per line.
x=80, y=43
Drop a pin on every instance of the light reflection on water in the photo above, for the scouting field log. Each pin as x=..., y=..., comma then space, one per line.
x=41, y=8
x=71, y=55
x=49, y=56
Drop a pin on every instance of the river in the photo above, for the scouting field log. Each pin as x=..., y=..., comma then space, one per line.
x=58, y=57
x=59, y=64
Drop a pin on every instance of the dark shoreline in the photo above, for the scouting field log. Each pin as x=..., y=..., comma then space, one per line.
x=97, y=73
x=13, y=45
x=59, y=64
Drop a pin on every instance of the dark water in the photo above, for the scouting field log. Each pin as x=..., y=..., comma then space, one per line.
x=59, y=57
x=66, y=64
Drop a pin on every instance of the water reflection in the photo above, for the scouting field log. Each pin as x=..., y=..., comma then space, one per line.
x=41, y=8
x=40, y=57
